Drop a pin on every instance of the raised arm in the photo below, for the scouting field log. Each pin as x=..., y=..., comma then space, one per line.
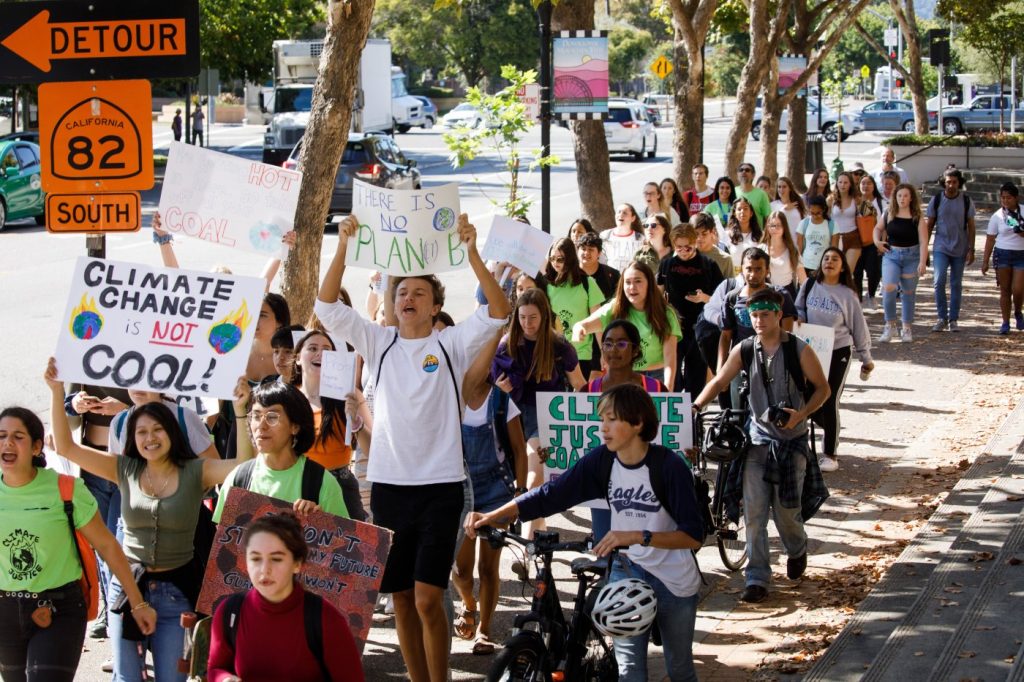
x=166, y=242
x=216, y=470
x=274, y=264
x=497, y=303
x=330, y=287
x=94, y=461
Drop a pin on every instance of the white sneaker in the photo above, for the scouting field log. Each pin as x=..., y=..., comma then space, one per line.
x=889, y=333
x=907, y=335
x=828, y=464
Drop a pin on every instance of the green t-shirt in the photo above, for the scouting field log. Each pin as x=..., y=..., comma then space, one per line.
x=651, y=346
x=572, y=304
x=758, y=198
x=38, y=551
x=285, y=485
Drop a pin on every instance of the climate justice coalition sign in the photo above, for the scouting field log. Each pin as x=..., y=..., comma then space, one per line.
x=157, y=329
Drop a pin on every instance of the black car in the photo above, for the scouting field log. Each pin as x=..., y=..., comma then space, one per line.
x=371, y=157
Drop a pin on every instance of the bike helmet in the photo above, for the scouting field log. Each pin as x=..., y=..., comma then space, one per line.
x=625, y=608
x=726, y=442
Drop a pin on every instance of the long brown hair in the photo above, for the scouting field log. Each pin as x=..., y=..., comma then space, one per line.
x=915, y=204
x=787, y=238
x=542, y=367
x=571, y=273
x=845, y=276
x=835, y=199
x=332, y=411
x=655, y=308
x=794, y=196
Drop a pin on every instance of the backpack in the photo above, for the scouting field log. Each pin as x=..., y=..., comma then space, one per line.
x=89, y=581
x=312, y=617
x=312, y=478
x=655, y=467
x=789, y=356
x=933, y=205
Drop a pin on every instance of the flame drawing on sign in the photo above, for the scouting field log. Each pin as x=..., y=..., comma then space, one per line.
x=86, y=320
x=227, y=333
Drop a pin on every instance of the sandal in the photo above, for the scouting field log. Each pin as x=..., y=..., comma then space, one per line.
x=483, y=646
x=465, y=624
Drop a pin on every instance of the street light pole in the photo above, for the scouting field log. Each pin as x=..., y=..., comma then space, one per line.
x=544, y=13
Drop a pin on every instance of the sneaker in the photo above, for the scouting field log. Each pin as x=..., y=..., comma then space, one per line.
x=795, y=566
x=1004, y=328
x=889, y=333
x=906, y=335
x=828, y=464
x=389, y=606
x=1020, y=320
x=940, y=326
x=872, y=303
x=754, y=594
x=107, y=666
x=98, y=630
x=953, y=326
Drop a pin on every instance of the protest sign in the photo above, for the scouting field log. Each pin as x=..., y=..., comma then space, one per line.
x=406, y=232
x=569, y=426
x=820, y=338
x=522, y=245
x=228, y=200
x=337, y=373
x=345, y=563
x=156, y=329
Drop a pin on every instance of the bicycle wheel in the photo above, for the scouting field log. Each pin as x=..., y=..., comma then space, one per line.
x=524, y=659
x=731, y=537
x=598, y=663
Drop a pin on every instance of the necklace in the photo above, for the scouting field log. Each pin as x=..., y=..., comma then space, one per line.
x=158, y=493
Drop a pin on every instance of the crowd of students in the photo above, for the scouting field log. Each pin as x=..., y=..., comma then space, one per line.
x=441, y=434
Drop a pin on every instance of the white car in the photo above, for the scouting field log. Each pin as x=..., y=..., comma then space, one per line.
x=463, y=116
x=629, y=130
x=853, y=122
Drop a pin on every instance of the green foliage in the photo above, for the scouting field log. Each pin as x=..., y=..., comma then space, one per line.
x=730, y=20
x=431, y=91
x=505, y=125
x=973, y=140
x=852, y=51
x=722, y=70
x=627, y=52
x=653, y=17
x=236, y=37
x=990, y=35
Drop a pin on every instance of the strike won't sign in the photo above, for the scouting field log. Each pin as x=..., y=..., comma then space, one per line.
x=406, y=232
x=227, y=200
x=156, y=329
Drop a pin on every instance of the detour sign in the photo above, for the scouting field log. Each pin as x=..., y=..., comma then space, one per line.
x=96, y=136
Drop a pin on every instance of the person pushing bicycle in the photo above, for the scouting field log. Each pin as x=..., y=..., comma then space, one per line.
x=654, y=515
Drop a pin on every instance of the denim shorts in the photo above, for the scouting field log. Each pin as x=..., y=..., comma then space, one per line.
x=528, y=415
x=1008, y=258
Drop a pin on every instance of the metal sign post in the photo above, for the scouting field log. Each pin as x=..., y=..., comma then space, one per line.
x=544, y=12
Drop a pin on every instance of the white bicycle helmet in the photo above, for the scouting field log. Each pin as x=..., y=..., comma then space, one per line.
x=625, y=608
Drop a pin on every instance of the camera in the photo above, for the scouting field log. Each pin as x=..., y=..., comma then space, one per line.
x=776, y=415
x=1015, y=224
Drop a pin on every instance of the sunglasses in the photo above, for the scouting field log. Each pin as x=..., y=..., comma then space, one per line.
x=746, y=170
x=557, y=259
x=652, y=224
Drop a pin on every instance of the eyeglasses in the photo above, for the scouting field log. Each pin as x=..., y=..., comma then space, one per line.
x=271, y=418
x=616, y=345
x=650, y=194
x=557, y=259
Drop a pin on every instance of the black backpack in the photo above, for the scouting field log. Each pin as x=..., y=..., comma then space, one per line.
x=312, y=478
x=312, y=616
x=937, y=199
x=791, y=358
x=655, y=467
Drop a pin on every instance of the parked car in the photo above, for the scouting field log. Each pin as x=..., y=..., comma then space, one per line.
x=22, y=135
x=429, y=112
x=891, y=114
x=629, y=130
x=371, y=157
x=659, y=107
x=464, y=115
x=981, y=113
x=852, y=121
x=21, y=185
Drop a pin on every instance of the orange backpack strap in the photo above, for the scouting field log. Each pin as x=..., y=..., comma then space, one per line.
x=67, y=487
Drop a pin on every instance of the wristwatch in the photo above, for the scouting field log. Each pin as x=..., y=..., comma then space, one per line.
x=647, y=537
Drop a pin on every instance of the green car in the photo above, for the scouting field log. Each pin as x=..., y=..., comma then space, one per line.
x=21, y=185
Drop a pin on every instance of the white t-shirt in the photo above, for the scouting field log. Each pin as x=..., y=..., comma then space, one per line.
x=635, y=507
x=780, y=268
x=793, y=217
x=736, y=250
x=817, y=238
x=620, y=250
x=1006, y=238
x=478, y=417
x=194, y=426
x=845, y=219
x=417, y=439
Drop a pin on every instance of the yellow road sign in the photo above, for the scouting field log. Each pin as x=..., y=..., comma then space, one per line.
x=661, y=67
x=865, y=71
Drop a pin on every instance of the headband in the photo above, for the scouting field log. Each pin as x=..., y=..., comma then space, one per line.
x=764, y=305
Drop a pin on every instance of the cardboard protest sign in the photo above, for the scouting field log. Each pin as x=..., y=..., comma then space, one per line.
x=522, y=245
x=569, y=426
x=345, y=563
x=406, y=232
x=156, y=329
x=337, y=373
x=228, y=200
x=820, y=338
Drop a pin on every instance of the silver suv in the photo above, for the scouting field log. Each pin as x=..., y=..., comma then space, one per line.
x=629, y=130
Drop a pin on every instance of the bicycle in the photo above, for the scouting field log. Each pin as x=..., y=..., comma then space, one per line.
x=544, y=646
x=731, y=537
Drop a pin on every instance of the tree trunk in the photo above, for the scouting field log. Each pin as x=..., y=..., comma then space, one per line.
x=690, y=19
x=593, y=169
x=771, y=115
x=912, y=55
x=348, y=23
x=765, y=34
x=796, y=142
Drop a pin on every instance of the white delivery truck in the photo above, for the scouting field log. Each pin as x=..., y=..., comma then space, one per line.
x=288, y=104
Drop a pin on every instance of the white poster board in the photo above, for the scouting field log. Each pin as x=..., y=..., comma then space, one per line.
x=522, y=245
x=157, y=329
x=820, y=338
x=228, y=200
x=337, y=373
x=406, y=232
x=569, y=427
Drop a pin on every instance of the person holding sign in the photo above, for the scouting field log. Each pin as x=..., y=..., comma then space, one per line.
x=654, y=514
x=415, y=460
x=43, y=610
x=782, y=371
x=639, y=300
x=830, y=300
x=162, y=486
x=573, y=295
x=625, y=239
x=251, y=630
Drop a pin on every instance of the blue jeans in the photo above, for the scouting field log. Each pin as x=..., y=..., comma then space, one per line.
x=165, y=643
x=955, y=265
x=677, y=618
x=899, y=273
x=758, y=495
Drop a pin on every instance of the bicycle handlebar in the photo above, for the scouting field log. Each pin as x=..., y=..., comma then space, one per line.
x=543, y=543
